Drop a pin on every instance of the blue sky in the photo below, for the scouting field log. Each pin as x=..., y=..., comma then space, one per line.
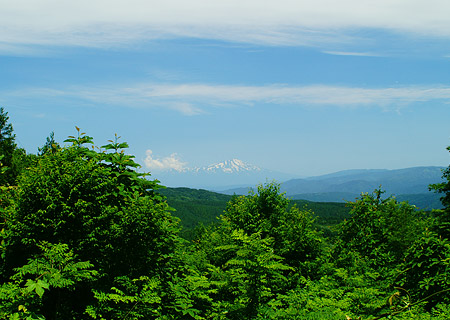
x=304, y=87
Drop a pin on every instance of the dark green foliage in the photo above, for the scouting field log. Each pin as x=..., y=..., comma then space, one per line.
x=195, y=207
x=381, y=239
x=97, y=205
x=187, y=194
x=252, y=276
x=201, y=207
x=256, y=252
x=129, y=299
x=427, y=269
x=84, y=235
x=80, y=202
x=269, y=213
x=7, y=196
x=326, y=213
x=12, y=160
x=46, y=283
x=50, y=146
x=7, y=146
x=444, y=187
x=443, y=227
x=335, y=296
x=379, y=231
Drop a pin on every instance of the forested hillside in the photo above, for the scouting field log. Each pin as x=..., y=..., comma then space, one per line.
x=86, y=235
x=197, y=206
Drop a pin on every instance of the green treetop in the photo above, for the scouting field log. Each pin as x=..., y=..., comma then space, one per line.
x=444, y=215
x=101, y=208
x=7, y=147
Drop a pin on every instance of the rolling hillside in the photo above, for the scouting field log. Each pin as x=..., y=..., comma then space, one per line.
x=195, y=206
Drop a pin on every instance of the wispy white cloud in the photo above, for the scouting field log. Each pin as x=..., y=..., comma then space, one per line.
x=282, y=22
x=171, y=162
x=186, y=96
x=194, y=99
x=358, y=54
x=185, y=108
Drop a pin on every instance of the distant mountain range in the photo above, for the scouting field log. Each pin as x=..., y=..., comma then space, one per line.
x=229, y=166
x=401, y=181
x=410, y=184
x=237, y=177
x=228, y=174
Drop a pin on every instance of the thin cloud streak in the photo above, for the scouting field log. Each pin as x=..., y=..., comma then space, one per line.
x=194, y=99
x=356, y=54
x=102, y=23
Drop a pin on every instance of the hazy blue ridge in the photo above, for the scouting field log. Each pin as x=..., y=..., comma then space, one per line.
x=409, y=184
x=424, y=201
x=237, y=191
x=401, y=181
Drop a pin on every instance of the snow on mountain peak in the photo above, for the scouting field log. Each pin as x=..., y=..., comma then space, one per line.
x=231, y=166
x=228, y=166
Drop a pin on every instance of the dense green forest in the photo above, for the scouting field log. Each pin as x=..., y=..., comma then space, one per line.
x=199, y=208
x=86, y=235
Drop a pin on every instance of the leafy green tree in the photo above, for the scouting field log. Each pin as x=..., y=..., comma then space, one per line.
x=101, y=208
x=7, y=197
x=426, y=267
x=426, y=274
x=50, y=146
x=443, y=225
x=259, y=249
x=252, y=276
x=269, y=212
x=45, y=282
x=336, y=295
x=13, y=160
x=378, y=232
x=7, y=147
x=388, y=242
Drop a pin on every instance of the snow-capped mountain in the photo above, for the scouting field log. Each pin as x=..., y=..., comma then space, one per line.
x=230, y=166
x=222, y=175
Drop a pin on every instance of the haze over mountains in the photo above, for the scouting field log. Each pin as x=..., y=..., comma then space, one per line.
x=224, y=175
x=237, y=177
x=400, y=181
x=409, y=184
